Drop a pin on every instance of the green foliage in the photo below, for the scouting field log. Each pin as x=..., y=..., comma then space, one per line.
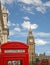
x=44, y=60
x=37, y=60
x=31, y=63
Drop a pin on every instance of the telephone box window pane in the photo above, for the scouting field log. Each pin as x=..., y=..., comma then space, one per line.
x=14, y=51
x=14, y=62
x=9, y=62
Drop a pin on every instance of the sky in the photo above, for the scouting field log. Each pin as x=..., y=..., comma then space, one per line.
x=25, y=13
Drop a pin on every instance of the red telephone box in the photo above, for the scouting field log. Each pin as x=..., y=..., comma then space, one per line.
x=14, y=53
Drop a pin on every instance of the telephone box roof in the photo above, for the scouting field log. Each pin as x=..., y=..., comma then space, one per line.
x=15, y=45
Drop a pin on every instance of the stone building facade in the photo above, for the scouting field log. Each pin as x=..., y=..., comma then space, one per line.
x=4, y=32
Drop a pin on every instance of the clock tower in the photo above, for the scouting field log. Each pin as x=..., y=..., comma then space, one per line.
x=31, y=44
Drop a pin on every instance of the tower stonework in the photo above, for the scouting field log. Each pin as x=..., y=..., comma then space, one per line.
x=3, y=24
x=31, y=44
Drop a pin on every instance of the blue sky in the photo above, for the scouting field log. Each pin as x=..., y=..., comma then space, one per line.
x=25, y=13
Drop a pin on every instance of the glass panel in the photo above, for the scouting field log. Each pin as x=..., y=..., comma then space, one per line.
x=14, y=51
x=9, y=63
x=14, y=62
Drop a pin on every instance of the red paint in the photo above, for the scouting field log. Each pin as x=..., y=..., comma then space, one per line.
x=44, y=63
x=22, y=56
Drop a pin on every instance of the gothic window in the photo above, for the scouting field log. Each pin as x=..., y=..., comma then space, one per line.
x=0, y=30
x=4, y=15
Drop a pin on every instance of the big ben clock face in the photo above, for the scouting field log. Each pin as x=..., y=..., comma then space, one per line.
x=31, y=40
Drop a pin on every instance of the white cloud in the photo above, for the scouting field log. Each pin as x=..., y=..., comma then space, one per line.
x=11, y=24
x=7, y=1
x=14, y=31
x=26, y=18
x=17, y=29
x=37, y=2
x=40, y=42
x=25, y=1
x=39, y=5
x=34, y=2
x=34, y=26
x=41, y=9
x=11, y=1
x=27, y=25
x=43, y=34
x=28, y=9
x=17, y=33
x=47, y=4
x=11, y=33
x=48, y=52
x=8, y=12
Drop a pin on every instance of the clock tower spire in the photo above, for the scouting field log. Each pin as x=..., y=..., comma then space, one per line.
x=31, y=44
